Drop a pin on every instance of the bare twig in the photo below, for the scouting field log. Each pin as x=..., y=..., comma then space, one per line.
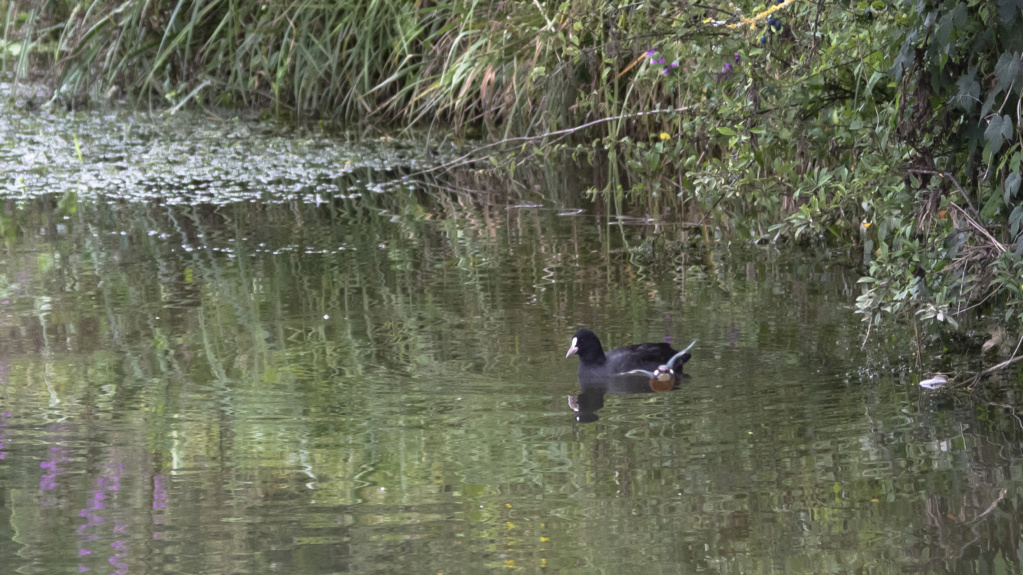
x=1007, y=362
x=976, y=305
x=630, y=66
x=962, y=281
x=870, y=324
x=715, y=8
x=919, y=346
x=1012, y=410
x=1006, y=100
x=1001, y=495
x=1015, y=358
x=997, y=244
x=1017, y=346
x=942, y=174
x=975, y=524
x=550, y=25
x=462, y=160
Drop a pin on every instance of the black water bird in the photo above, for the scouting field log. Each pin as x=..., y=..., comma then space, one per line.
x=598, y=379
x=595, y=364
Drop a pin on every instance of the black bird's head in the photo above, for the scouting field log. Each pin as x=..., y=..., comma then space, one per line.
x=587, y=346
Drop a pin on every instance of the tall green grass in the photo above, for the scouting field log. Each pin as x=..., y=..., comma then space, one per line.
x=510, y=67
x=459, y=62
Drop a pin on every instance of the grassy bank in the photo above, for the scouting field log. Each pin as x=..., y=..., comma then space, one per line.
x=893, y=128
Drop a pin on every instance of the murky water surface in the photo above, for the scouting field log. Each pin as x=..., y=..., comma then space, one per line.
x=227, y=348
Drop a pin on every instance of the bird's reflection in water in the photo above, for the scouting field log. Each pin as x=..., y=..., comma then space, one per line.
x=591, y=391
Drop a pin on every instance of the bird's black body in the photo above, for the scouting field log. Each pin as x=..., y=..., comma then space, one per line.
x=594, y=363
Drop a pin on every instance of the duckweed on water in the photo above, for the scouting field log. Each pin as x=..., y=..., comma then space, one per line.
x=132, y=156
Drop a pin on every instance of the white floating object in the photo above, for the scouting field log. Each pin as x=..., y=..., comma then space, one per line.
x=936, y=382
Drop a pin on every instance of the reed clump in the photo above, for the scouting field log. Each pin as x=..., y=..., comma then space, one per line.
x=461, y=62
x=509, y=67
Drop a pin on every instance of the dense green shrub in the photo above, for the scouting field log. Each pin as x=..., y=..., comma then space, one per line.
x=952, y=233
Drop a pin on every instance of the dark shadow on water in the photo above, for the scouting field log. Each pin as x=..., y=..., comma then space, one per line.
x=590, y=398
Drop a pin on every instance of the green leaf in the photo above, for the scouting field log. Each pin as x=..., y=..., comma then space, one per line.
x=725, y=131
x=906, y=55
x=994, y=134
x=958, y=16
x=1015, y=219
x=1011, y=186
x=991, y=206
x=874, y=79
x=12, y=48
x=1009, y=70
x=1007, y=128
x=989, y=102
x=943, y=33
x=1009, y=10
x=968, y=92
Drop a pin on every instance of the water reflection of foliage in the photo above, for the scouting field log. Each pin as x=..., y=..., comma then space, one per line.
x=201, y=332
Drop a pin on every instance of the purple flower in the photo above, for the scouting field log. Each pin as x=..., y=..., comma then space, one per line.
x=97, y=501
x=667, y=71
x=737, y=57
x=661, y=61
x=674, y=64
x=650, y=52
x=159, y=492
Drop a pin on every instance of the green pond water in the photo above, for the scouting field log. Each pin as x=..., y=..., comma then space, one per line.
x=233, y=347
